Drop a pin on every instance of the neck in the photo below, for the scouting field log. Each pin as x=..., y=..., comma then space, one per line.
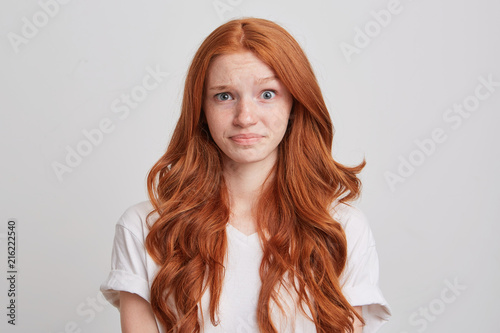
x=244, y=183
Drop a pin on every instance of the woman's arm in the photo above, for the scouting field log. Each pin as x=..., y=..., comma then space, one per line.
x=136, y=315
x=358, y=326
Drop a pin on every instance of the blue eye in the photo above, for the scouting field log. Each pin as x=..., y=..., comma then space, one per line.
x=268, y=94
x=223, y=96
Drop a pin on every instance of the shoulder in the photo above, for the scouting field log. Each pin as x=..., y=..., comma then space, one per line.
x=134, y=219
x=354, y=222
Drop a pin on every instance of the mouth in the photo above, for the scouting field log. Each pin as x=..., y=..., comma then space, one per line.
x=246, y=139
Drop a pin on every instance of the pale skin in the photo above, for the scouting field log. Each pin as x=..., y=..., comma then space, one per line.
x=136, y=314
x=247, y=110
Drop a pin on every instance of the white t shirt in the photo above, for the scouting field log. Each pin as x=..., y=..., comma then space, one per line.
x=133, y=270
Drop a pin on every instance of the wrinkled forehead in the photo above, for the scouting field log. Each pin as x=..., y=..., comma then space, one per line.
x=230, y=67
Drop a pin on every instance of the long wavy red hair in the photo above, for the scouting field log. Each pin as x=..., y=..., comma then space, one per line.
x=301, y=241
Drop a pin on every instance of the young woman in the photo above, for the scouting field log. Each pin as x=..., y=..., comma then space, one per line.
x=248, y=227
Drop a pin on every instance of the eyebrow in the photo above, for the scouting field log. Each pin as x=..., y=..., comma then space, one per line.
x=267, y=79
x=259, y=81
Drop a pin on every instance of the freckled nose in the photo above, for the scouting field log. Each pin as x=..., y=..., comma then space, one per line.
x=245, y=113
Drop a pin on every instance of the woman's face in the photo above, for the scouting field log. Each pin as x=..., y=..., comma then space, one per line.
x=247, y=108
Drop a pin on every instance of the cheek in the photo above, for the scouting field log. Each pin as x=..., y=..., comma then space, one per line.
x=279, y=123
x=215, y=124
x=279, y=120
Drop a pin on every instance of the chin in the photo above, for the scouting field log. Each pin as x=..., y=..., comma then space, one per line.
x=247, y=159
x=243, y=160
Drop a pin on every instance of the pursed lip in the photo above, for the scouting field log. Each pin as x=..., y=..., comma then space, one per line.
x=248, y=138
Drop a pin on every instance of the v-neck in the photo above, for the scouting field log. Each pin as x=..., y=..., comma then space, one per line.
x=241, y=236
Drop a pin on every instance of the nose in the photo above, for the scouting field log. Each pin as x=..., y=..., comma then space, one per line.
x=245, y=113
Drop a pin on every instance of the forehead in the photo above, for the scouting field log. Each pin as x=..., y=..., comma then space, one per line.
x=233, y=65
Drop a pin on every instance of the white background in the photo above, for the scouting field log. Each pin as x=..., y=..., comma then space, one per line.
x=437, y=225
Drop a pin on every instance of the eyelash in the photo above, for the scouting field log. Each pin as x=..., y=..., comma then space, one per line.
x=217, y=96
x=270, y=90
